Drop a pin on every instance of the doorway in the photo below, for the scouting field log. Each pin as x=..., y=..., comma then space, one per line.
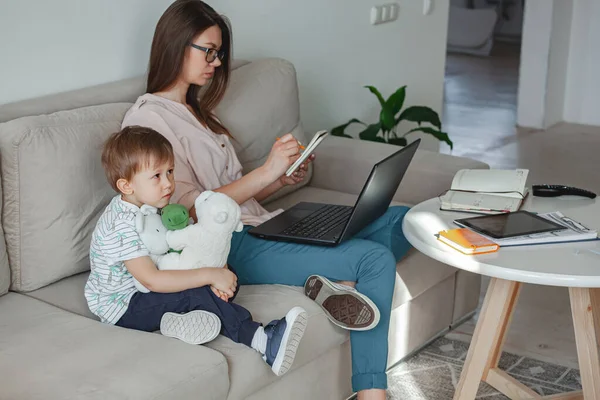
x=482, y=78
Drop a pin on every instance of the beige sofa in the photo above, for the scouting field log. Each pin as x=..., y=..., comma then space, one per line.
x=53, y=190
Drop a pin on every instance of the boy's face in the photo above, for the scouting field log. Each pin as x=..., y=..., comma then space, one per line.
x=151, y=185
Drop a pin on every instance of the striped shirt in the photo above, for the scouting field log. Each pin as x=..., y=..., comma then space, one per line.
x=110, y=286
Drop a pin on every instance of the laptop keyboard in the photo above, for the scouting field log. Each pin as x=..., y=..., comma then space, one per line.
x=319, y=223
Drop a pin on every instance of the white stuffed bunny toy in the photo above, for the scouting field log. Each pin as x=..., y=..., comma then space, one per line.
x=207, y=243
x=153, y=234
x=204, y=244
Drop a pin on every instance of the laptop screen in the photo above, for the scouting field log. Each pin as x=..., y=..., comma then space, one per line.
x=379, y=190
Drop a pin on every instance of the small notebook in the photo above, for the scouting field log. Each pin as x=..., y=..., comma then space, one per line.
x=467, y=242
x=486, y=191
x=310, y=148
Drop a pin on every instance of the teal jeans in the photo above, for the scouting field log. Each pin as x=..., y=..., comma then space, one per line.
x=369, y=259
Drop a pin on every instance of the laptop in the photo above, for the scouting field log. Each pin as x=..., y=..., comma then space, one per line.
x=329, y=224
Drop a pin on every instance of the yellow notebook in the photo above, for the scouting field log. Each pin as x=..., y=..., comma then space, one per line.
x=467, y=242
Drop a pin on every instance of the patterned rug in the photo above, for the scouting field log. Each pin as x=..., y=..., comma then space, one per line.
x=433, y=373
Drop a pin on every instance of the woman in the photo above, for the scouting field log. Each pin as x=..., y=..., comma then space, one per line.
x=192, y=48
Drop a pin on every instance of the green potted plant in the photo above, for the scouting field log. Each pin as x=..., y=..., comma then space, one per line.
x=391, y=115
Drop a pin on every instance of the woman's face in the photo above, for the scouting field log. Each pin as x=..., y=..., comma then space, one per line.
x=196, y=69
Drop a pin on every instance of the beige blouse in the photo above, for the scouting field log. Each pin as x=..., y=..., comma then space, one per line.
x=203, y=160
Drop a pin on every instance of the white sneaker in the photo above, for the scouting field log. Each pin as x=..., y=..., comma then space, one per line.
x=194, y=327
x=283, y=338
x=343, y=305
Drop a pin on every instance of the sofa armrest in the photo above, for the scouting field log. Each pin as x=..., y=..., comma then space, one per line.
x=344, y=164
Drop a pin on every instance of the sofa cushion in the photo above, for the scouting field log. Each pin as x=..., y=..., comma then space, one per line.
x=416, y=272
x=261, y=104
x=54, y=190
x=47, y=353
x=66, y=294
x=4, y=267
x=248, y=373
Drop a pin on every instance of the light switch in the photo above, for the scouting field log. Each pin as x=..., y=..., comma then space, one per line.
x=394, y=12
x=375, y=15
x=384, y=13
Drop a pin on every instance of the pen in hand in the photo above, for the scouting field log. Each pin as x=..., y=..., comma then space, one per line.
x=299, y=144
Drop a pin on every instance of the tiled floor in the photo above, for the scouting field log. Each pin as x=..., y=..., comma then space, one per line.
x=480, y=116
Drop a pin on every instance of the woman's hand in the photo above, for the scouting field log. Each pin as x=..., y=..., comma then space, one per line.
x=283, y=153
x=298, y=175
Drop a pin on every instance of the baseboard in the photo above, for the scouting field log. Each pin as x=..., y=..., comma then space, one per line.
x=462, y=320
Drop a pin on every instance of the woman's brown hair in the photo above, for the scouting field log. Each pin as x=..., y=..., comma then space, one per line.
x=176, y=29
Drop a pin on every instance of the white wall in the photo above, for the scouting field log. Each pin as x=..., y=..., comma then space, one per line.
x=533, y=73
x=49, y=46
x=336, y=52
x=583, y=78
x=558, y=62
x=559, y=79
x=53, y=46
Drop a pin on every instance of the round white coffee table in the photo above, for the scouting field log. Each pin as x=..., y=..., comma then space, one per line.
x=572, y=265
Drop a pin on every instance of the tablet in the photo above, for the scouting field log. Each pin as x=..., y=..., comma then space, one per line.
x=310, y=148
x=511, y=224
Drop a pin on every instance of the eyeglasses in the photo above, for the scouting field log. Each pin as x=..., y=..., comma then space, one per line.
x=211, y=54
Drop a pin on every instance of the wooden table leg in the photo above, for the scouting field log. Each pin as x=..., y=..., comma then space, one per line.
x=486, y=345
x=595, y=298
x=585, y=307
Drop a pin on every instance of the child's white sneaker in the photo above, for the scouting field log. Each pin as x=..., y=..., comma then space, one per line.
x=194, y=327
x=283, y=338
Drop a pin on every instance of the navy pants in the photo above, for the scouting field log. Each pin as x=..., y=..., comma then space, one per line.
x=145, y=311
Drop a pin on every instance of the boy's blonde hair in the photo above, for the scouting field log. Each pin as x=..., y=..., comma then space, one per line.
x=132, y=149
